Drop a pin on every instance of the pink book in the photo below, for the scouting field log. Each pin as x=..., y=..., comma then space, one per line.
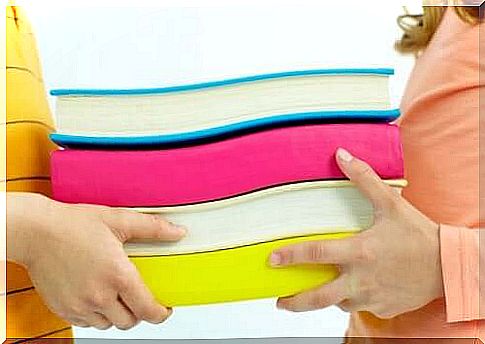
x=222, y=169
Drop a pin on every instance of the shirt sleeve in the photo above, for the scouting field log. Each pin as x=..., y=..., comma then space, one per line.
x=460, y=258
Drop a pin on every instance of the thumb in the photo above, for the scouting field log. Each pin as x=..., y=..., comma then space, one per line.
x=364, y=178
x=130, y=225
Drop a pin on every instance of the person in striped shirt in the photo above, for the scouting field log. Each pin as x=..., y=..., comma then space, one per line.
x=65, y=264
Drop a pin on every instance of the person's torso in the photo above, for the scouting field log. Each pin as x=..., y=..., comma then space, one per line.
x=439, y=128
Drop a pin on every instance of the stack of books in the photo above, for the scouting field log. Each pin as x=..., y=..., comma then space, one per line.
x=247, y=165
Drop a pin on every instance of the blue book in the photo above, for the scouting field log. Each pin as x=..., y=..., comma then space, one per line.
x=188, y=114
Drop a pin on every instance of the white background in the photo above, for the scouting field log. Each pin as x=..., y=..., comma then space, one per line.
x=122, y=47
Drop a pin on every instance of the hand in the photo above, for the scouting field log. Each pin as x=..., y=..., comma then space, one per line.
x=391, y=268
x=75, y=258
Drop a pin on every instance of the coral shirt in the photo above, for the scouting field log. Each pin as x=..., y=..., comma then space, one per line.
x=440, y=133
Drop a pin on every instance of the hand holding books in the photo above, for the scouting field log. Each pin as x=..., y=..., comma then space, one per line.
x=369, y=281
x=80, y=269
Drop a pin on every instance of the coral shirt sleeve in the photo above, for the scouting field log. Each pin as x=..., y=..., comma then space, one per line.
x=460, y=260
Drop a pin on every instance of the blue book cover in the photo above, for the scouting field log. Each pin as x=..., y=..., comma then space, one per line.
x=217, y=132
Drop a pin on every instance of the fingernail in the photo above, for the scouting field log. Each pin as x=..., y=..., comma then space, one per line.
x=344, y=155
x=275, y=259
x=280, y=305
x=165, y=313
x=179, y=229
x=169, y=312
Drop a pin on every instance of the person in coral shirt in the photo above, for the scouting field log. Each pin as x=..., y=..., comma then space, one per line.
x=416, y=272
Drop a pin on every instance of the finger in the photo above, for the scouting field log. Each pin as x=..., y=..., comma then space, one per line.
x=324, y=296
x=128, y=225
x=78, y=322
x=347, y=306
x=336, y=251
x=364, y=178
x=98, y=321
x=120, y=316
x=138, y=298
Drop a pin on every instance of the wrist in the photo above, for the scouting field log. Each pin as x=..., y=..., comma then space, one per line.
x=28, y=217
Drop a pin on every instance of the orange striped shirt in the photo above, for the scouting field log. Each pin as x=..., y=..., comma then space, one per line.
x=28, y=125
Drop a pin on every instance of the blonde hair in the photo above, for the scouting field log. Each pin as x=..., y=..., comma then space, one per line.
x=419, y=29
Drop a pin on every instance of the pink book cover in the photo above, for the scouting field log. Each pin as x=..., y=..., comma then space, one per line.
x=222, y=169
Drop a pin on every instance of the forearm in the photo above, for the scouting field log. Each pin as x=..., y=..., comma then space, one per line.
x=26, y=215
x=463, y=266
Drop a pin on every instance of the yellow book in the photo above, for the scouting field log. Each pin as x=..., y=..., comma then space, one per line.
x=234, y=274
x=224, y=256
